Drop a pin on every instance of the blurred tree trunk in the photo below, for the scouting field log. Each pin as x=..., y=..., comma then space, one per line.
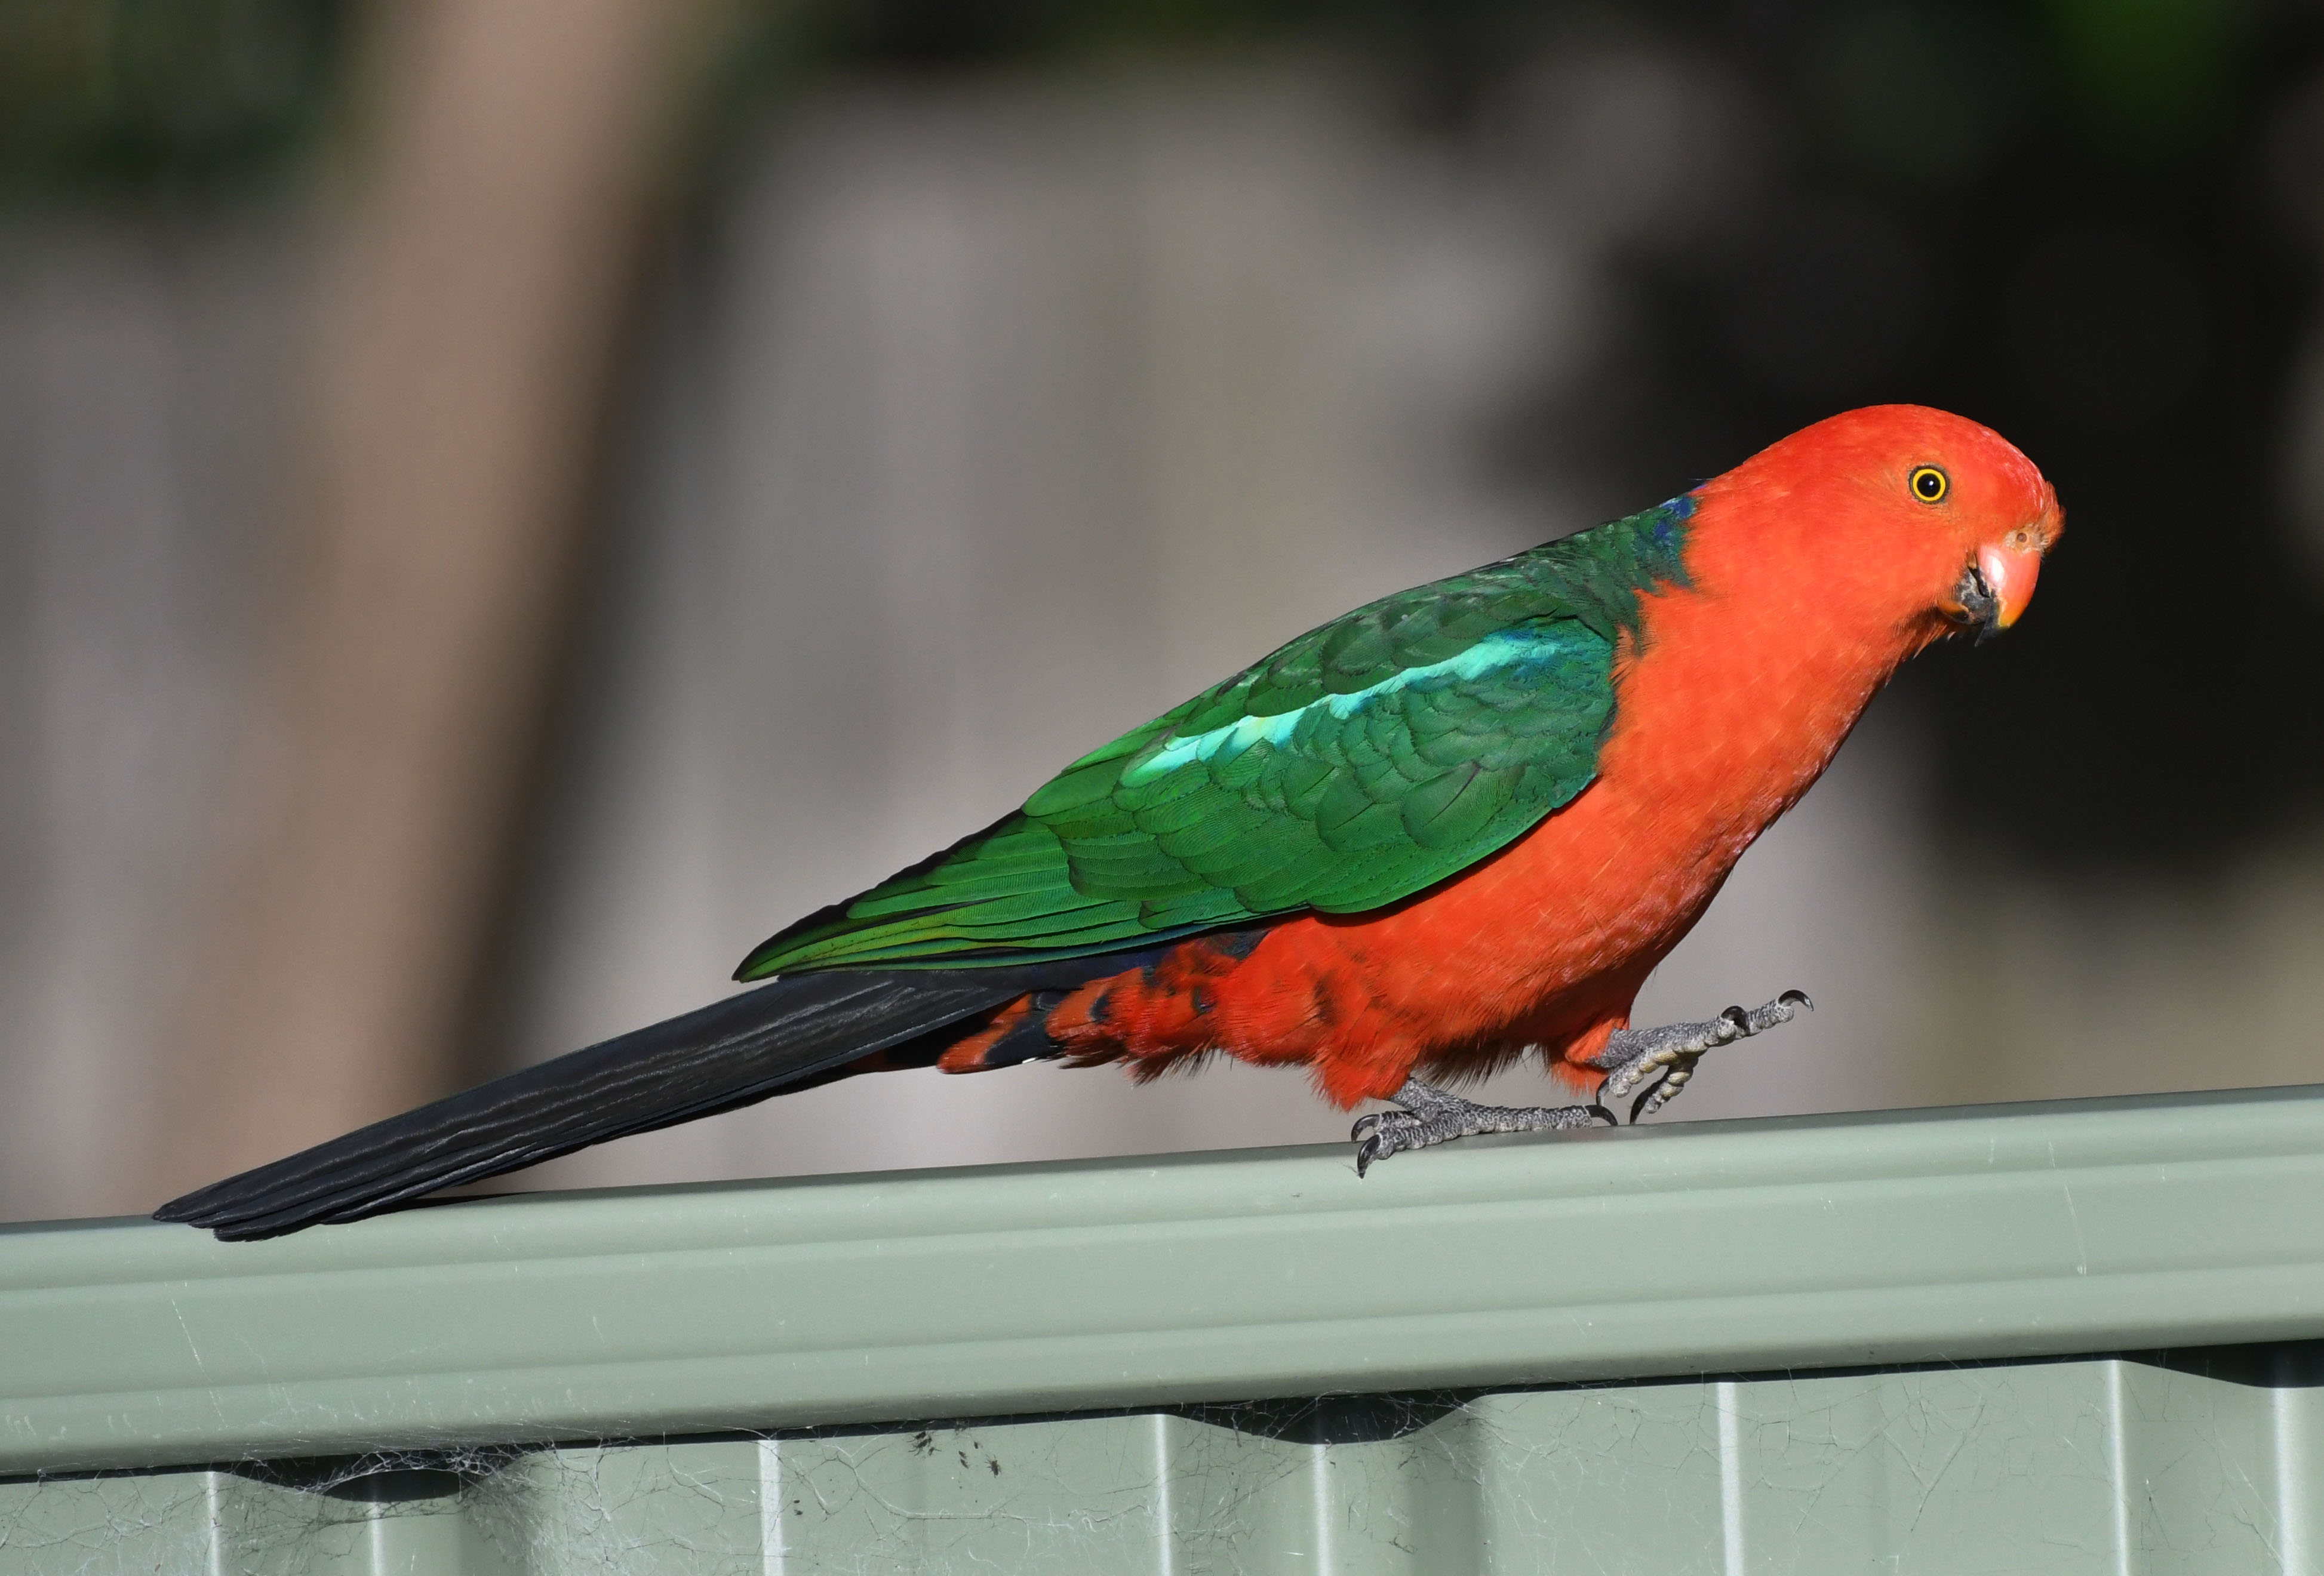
x=505, y=166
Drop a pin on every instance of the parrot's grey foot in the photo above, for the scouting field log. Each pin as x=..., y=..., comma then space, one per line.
x=1632, y=1056
x=1431, y=1116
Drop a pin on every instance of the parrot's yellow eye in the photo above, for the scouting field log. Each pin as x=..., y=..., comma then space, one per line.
x=1929, y=485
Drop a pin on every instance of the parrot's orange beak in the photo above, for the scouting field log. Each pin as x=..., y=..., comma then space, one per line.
x=1997, y=583
x=2010, y=567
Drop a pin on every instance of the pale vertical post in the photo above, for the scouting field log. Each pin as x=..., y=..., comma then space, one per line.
x=471, y=308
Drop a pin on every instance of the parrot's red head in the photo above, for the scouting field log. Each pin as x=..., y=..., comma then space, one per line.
x=1914, y=520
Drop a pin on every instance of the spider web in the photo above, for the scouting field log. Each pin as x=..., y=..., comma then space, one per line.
x=2192, y=1462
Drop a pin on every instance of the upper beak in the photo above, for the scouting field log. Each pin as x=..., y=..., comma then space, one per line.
x=1995, y=589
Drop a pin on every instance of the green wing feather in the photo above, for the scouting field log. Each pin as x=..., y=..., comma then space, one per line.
x=1359, y=764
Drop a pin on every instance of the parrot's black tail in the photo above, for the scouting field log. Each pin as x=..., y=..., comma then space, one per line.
x=798, y=1030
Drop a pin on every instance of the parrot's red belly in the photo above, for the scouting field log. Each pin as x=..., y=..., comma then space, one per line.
x=1721, y=727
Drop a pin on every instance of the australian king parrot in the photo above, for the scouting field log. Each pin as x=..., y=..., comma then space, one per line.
x=1453, y=828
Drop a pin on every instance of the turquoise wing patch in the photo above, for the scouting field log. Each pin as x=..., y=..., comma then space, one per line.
x=1353, y=800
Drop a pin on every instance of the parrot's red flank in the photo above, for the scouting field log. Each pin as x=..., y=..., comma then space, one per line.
x=1455, y=827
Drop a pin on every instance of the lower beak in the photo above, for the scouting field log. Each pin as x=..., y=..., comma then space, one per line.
x=2010, y=572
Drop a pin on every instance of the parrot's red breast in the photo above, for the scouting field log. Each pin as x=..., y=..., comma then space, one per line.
x=1812, y=570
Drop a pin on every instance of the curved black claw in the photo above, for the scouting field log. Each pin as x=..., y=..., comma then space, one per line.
x=1392, y=1132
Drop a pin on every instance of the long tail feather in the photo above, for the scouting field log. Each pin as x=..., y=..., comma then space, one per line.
x=729, y=1054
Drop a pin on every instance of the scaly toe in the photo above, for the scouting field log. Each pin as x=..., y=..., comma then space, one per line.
x=1631, y=1075
x=1782, y=1010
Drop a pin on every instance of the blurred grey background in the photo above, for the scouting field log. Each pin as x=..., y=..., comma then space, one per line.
x=501, y=508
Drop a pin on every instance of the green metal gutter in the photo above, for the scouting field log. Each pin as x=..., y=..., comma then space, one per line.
x=1137, y=1287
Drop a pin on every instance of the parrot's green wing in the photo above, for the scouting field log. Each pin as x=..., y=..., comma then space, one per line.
x=1359, y=764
